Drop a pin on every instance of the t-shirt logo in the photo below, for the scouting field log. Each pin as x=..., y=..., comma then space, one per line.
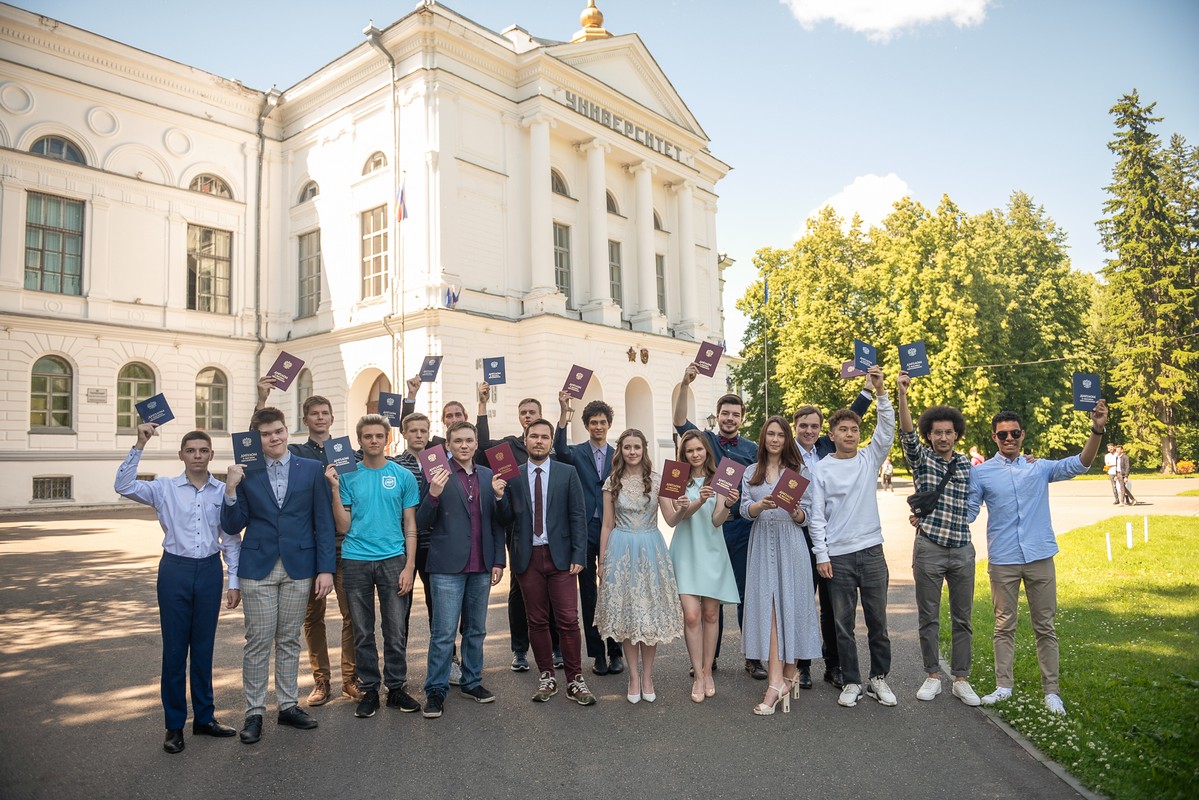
x=911, y=351
x=389, y=481
x=245, y=441
x=337, y=447
x=1086, y=384
x=286, y=365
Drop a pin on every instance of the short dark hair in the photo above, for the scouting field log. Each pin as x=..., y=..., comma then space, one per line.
x=316, y=400
x=1006, y=416
x=843, y=414
x=457, y=426
x=532, y=400
x=540, y=421
x=265, y=416
x=941, y=414
x=415, y=416
x=804, y=411
x=595, y=408
x=730, y=400
x=191, y=435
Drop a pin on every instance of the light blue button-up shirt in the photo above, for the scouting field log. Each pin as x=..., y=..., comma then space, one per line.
x=1019, y=530
x=278, y=471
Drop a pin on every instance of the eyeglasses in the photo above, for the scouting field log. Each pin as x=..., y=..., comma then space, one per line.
x=1003, y=435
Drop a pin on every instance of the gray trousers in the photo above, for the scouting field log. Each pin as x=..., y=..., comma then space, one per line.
x=274, y=608
x=933, y=566
x=362, y=580
x=863, y=574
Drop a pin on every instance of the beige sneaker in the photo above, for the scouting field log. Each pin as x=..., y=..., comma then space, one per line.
x=320, y=693
x=350, y=689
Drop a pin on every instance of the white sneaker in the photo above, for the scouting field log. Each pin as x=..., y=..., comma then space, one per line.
x=930, y=689
x=998, y=696
x=880, y=691
x=1055, y=704
x=850, y=695
x=455, y=674
x=964, y=692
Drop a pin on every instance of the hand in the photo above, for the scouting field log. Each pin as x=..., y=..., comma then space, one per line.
x=575, y=569
x=322, y=585
x=333, y=478
x=798, y=515
x=438, y=481
x=875, y=376
x=825, y=570
x=1030, y=459
x=405, y=582
x=498, y=485
x=413, y=385
x=484, y=392
x=233, y=476
x=706, y=493
x=497, y=573
x=265, y=384
x=683, y=503
x=144, y=432
x=766, y=503
x=690, y=373
x=1099, y=416
x=564, y=399
x=734, y=496
x=902, y=383
x=233, y=598
x=914, y=520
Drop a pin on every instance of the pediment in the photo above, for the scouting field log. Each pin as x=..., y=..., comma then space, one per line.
x=625, y=64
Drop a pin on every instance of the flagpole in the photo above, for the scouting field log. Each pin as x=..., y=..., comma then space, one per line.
x=765, y=350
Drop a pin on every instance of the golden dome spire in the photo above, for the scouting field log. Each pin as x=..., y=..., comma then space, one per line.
x=592, y=21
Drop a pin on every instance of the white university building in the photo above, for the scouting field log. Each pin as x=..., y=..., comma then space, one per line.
x=163, y=229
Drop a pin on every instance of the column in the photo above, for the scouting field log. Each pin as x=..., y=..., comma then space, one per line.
x=688, y=279
x=647, y=318
x=600, y=308
x=543, y=296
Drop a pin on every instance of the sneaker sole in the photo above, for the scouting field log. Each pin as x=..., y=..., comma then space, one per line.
x=478, y=700
x=966, y=701
x=881, y=701
x=360, y=715
x=843, y=704
x=590, y=701
x=431, y=714
x=931, y=697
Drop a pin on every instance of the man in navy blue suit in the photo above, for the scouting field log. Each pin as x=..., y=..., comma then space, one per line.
x=592, y=461
x=287, y=553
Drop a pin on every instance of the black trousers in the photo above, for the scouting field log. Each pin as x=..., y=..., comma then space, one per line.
x=828, y=625
x=589, y=594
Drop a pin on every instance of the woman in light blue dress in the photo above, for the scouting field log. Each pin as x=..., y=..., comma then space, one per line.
x=701, y=560
x=638, y=599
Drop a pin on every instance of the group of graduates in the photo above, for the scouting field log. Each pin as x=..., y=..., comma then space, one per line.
x=579, y=527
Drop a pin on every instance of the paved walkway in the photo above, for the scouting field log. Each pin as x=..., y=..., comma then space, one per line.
x=79, y=650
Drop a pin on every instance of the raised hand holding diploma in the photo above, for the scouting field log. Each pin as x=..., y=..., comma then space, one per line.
x=233, y=476
x=144, y=432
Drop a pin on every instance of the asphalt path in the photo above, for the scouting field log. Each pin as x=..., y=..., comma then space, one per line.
x=79, y=701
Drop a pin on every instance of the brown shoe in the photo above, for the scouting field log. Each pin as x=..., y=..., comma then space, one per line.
x=320, y=693
x=350, y=689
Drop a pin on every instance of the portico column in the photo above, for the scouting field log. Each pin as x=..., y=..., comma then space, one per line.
x=597, y=223
x=688, y=278
x=647, y=290
x=541, y=232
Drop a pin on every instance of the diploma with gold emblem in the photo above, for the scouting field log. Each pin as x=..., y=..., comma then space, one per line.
x=284, y=370
x=707, y=358
x=432, y=458
x=576, y=381
x=502, y=461
x=675, y=477
x=789, y=490
x=728, y=477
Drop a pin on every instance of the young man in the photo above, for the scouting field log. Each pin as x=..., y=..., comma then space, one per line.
x=466, y=558
x=451, y=412
x=730, y=409
x=813, y=446
x=1021, y=544
x=549, y=541
x=1124, y=473
x=287, y=554
x=375, y=508
x=847, y=538
x=942, y=553
x=592, y=462
x=1112, y=468
x=318, y=419
x=189, y=577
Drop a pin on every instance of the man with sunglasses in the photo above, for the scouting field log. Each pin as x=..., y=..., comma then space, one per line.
x=1021, y=544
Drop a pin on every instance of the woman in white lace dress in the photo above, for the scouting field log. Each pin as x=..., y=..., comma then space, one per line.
x=638, y=597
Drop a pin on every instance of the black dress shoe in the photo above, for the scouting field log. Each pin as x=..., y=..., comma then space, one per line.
x=600, y=667
x=296, y=717
x=213, y=728
x=755, y=669
x=615, y=665
x=805, y=678
x=833, y=676
x=174, y=741
x=252, y=730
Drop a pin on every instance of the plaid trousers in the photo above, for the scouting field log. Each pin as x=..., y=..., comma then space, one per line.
x=274, y=610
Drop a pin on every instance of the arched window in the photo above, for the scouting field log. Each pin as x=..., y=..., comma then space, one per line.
x=612, y=207
x=135, y=383
x=658, y=221
x=50, y=394
x=377, y=161
x=558, y=183
x=303, y=392
x=309, y=191
x=60, y=148
x=212, y=392
x=211, y=184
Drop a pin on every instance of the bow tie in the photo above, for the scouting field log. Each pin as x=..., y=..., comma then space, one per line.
x=726, y=442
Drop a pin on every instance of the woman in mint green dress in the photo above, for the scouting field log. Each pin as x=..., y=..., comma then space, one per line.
x=702, y=567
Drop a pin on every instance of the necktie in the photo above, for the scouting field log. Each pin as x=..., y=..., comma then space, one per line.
x=726, y=442
x=538, y=510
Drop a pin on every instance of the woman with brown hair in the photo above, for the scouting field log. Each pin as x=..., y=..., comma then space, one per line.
x=780, y=601
x=638, y=598
x=701, y=559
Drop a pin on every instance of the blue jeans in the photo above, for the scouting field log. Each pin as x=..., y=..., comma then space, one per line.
x=461, y=596
x=361, y=581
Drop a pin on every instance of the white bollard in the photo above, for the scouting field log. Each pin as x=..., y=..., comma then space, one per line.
x=1108, y=536
x=1146, y=529
x=1128, y=531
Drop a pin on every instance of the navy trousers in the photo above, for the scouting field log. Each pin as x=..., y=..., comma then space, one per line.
x=736, y=539
x=189, y=603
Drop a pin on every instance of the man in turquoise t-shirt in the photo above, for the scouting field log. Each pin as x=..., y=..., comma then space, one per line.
x=375, y=506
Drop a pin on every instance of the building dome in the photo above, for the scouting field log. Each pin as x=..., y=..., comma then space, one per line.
x=592, y=20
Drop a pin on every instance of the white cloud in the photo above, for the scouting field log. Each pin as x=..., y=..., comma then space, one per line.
x=869, y=196
x=880, y=20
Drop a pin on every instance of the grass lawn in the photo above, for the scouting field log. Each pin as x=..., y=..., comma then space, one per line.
x=1189, y=493
x=1129, y=637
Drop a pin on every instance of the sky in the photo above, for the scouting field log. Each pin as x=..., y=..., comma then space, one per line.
x=850, y=102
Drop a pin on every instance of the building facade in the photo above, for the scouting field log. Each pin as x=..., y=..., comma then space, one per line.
x=163, y=229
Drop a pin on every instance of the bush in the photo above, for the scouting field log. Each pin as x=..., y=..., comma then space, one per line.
x=1185, y=467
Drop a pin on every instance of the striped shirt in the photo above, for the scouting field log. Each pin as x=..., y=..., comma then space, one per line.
x=947, y=525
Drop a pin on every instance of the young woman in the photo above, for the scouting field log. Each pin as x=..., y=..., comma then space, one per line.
x=638, y=598
x=780, y=600
x=701, y=560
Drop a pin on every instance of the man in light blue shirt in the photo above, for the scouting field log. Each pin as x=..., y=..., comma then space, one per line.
x=189, y=577
x=375, y=507
x=1021, y=544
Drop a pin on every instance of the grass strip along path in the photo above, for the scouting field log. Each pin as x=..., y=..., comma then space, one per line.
x=1129, y=637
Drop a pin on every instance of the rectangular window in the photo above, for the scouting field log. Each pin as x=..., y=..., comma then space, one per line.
x=54, y=244
x=562, y=261
x=614, y=281
x=310, y=273
x=52, y=488
x=660, y=276
x=374, y=252
x=209, y=263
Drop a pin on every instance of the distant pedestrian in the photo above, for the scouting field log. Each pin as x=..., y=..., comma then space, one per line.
x=976, y=457
x=1111, y=467
x=1123, y=475
x=887, y=471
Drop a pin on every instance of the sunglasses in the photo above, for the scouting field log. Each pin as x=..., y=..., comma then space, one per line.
x=1003, y=435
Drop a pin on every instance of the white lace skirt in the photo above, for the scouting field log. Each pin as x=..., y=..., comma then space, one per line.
x=638, y=596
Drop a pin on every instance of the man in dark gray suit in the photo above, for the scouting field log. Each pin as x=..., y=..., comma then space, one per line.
x=549, y=542
x=466, y=558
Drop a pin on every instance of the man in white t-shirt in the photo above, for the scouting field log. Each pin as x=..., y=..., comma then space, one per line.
x=1111, y=467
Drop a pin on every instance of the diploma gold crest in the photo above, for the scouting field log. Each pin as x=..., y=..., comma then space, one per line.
x=674, y=473
x=792, y=484
x=729, y=470
x=499, y=456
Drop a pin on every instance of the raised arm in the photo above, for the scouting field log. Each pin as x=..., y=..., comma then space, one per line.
x=126, y=483
x=679, y=417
